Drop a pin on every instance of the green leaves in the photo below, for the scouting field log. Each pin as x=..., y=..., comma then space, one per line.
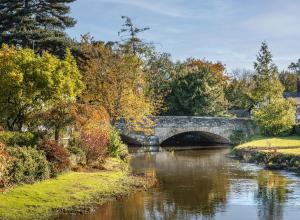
x=267, y=85
x=276, y=118
x=198, y=90
x=36, y=24
x=30, y=83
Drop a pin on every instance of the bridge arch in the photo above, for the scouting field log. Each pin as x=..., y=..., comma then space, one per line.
x=192, y=137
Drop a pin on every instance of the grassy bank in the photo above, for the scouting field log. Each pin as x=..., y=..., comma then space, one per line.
x=71, y=192
x=279, y=152
x=272, y=142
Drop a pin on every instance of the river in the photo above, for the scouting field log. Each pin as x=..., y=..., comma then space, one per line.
x=204, y=184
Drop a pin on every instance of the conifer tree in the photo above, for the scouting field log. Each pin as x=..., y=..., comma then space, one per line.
x=267, y=85
x=36, y=24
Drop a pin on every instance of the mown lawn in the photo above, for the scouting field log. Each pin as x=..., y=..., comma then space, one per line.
x=272, y=142
x=45, y=199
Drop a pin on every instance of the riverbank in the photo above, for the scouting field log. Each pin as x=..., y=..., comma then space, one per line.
x=275, y=153
x=71, y=192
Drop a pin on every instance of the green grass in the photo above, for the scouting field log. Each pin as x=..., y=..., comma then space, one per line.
x=272, y=142
x=42, y=200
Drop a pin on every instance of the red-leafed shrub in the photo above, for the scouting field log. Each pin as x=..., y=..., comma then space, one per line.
x=56, y=155
x=92, y=131
x=4, y=158
x=94, y=145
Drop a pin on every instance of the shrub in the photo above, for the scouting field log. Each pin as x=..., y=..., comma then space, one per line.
x=57, y=156
x=116, y=148
x=94, y=145
x=4, y=159
x=27, y=165
x=92, y=126
x=237, y=137
x=276, y=118
x=11, y=138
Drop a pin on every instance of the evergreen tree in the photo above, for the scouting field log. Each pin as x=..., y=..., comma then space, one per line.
x=198, y=90
x=36, y=24
x=267, y=85
x=129, y=34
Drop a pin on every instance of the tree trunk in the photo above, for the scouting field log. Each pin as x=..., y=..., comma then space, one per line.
x=57, y=132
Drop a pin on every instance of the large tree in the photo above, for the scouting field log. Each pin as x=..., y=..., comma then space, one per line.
x=238, y=90
x=198, y=89
x=115, y=81
x=159, y=70
x=36, y=24
x=30, y=83
x=267, y=85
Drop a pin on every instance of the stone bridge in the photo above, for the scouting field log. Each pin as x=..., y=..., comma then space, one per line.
x=212, y=129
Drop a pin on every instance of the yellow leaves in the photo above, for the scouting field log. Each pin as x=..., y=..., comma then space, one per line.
x=115, y=81
x=30, y=82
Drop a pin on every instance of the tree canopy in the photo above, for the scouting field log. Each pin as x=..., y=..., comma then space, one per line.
x=115, y=81
x=30, y=83
x=198, y=89
x=267, y=85
x=36, y=24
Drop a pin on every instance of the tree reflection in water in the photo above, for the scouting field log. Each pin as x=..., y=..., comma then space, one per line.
x=203, y=184
x=271, y=195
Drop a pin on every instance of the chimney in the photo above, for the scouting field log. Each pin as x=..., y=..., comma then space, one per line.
x=298, y=85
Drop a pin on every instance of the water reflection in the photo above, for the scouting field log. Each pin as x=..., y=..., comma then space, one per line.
x=205, y=184
x=271, y=195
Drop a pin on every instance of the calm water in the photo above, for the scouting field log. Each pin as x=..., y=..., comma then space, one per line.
x=205, y=184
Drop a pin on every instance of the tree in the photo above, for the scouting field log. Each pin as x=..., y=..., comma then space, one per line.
x=276, y=118
x=159, y=71
x=57, y=118
x=267, y=86
x=288, y=80
x=198, y=90
x=129, y=33
x=238, y=90
x=37, y=24
x=115, y=81
x=295, y=67
x=30, y=83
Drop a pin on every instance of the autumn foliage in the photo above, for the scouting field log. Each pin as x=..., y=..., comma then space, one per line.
x=56, y=155
x=115, y=81
x=92, y=130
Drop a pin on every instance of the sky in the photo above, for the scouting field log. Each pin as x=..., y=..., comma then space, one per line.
x=229, y=31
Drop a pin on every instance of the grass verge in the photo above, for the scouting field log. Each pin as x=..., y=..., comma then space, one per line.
x=70, y=192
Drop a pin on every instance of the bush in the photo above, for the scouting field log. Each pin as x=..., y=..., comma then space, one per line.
x=57, y=156
x=237, y=137
x=276, y=118
x=116, y=148
x=27, y=165
x=94, y=145
x=4, y=159
x=92, y=129
x=11, y=138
